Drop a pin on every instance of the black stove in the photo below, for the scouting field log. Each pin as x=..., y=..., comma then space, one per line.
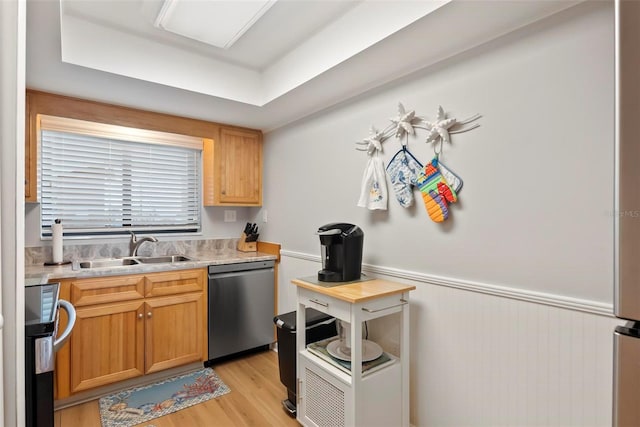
x=41, y=308
x=41, y=313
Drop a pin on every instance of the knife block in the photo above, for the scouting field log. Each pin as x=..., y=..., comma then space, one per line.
x=244, y=246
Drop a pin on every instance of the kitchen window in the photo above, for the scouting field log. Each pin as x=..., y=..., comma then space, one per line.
x=101, y=179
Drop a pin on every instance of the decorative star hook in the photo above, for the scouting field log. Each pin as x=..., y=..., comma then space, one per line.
x=440, y=127
x=373, y=141
x=405, y=122
x=439, y=130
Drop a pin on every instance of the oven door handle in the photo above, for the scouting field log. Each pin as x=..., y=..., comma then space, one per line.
x=71, y=314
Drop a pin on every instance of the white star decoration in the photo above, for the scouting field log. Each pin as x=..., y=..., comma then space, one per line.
x=440, y=127
x=405, y=121
x=374, y=141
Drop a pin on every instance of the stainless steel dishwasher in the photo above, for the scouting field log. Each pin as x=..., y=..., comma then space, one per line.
x=241, y=307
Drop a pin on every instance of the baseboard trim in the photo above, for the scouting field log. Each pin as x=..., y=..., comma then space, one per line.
x=576, y=304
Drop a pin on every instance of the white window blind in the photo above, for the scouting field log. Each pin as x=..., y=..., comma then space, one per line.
x=100, y=185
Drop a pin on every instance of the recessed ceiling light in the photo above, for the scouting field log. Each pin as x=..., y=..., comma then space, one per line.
x=216, y=22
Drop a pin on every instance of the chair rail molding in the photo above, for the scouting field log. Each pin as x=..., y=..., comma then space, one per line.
x=560, y=301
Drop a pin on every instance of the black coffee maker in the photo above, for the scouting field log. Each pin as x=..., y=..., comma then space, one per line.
x=341, y=246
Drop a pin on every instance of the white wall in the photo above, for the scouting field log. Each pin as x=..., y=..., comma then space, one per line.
x=535, y=209
x=511, y=321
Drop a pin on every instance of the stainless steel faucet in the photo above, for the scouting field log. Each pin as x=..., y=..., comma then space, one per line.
x=134, y=242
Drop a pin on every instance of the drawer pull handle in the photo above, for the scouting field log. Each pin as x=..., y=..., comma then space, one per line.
x=402, y=302
x=315, y=301
x=140, y=316
x=149, y=314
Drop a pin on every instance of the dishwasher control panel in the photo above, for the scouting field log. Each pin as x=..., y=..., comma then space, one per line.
x=241, y=266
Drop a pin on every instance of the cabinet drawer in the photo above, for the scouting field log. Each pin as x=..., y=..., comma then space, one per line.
x=326, y=304
x=106, y=289
x=175, y=282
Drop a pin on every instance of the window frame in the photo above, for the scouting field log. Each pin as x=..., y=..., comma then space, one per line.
x=125, y=134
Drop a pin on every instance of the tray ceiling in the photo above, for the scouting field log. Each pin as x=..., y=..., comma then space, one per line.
x=314, y=52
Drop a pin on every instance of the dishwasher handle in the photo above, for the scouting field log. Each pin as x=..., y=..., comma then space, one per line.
x=241, y=266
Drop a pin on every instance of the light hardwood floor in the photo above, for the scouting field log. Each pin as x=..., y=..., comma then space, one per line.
x=255, y=400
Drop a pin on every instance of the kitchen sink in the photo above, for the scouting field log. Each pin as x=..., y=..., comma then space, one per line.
x=161, y=259
x=129, y=261
x=101, y=263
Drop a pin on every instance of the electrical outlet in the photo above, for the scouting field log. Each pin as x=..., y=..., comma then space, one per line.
x=264, y=215
x=229, y=216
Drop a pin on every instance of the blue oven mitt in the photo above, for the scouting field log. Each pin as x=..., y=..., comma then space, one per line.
x=403, y=170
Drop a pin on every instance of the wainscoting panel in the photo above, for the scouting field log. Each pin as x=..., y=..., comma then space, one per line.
x=479, y=358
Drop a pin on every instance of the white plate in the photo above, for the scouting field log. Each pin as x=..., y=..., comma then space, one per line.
x=370, y=351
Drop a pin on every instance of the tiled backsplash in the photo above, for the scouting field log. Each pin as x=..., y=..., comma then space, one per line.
x=39, y=255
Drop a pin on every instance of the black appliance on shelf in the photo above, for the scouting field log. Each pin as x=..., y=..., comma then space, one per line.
x=319, y=326
x=341, y=251
x=41, y=324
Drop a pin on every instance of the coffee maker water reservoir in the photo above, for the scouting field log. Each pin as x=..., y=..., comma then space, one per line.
x=341, y=249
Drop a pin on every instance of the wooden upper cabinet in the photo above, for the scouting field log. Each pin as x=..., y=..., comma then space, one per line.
x=232, y=171
x=232, y=157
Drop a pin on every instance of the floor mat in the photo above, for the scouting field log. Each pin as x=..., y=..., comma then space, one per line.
x=137, y=405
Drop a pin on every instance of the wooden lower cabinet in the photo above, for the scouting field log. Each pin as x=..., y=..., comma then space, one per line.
x=115, y=340
x=174, y=330
x=107, y=344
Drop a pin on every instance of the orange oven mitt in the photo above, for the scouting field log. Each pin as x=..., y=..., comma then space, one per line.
x=436, y=192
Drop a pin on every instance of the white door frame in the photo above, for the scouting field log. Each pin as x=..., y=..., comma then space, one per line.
x=13, y=25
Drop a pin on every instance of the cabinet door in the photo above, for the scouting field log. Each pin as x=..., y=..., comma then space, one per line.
x=323, y=400
x=174, y=331
x=233, y=172
x=240, y=157
x=107, y=344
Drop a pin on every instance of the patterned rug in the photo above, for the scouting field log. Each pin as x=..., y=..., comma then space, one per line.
x=140, y=404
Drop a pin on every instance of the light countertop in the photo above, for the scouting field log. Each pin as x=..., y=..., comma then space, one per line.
x=39, y=273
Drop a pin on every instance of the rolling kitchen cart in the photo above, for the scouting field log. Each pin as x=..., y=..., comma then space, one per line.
x=330, y=394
